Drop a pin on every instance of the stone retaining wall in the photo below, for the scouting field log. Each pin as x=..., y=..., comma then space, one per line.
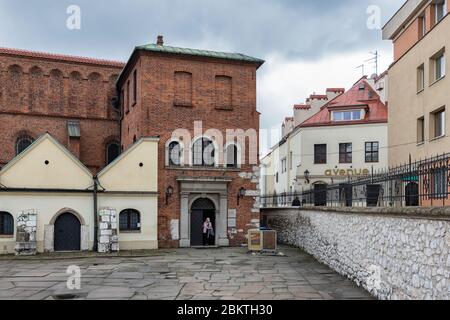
x=393, y=253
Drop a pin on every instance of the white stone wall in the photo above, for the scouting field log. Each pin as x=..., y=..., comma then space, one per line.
x=392, y=253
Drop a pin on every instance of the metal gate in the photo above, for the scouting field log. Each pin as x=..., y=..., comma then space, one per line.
x=412, y=194
x=320, y=195
x=67, y=233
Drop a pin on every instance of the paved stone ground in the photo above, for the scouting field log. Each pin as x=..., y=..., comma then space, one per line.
x=198, y=274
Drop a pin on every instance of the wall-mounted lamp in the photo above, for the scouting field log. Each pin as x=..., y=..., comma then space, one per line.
x=169, y=193
x=241, y=194
x=307, y=174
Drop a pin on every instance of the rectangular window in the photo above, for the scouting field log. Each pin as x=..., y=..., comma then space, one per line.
x=345, y=153
x=291, y=159
x=421, y=130
x=372, y=152
x=420, y=78
x=440, y=10
x=439, y=177
x=320, y=154
x=437, y=66
x=438, y=119
x=128, y=96
x=347, y=115
x=134, y=87
x=422, y=25
x=283, y=166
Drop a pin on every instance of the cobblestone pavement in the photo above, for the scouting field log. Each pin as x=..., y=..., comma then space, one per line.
x=199, y=274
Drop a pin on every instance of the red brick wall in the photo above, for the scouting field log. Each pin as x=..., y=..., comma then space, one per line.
x=39, y=94
x=156, y=114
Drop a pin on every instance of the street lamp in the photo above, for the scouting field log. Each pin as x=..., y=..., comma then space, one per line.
x=307, y=173
x=241, y=194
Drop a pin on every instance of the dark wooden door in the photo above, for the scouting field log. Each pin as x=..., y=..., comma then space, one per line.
x=202, y=209
x=67, y=233
x=320, y=195
x=196, y=228
x=412, y=194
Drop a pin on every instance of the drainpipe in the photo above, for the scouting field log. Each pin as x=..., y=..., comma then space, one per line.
x=95, y=215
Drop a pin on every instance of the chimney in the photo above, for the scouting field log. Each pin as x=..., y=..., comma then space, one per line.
x=160, y=41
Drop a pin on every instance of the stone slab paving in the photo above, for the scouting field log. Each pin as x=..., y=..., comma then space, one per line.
x=182, y=274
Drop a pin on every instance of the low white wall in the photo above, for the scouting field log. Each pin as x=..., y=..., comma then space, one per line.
x=393, y=253
x=47, y=205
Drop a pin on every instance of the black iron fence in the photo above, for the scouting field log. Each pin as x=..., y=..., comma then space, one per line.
x=421, y=183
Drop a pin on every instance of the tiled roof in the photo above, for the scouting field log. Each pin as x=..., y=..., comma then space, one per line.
x=318, y=96
x=68, y=58
x=336, y=90
x=302, y=107
x=367, y=98
x=201, y=53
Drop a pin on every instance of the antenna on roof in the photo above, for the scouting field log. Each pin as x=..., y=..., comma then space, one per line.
x=362, y=68
x=374, y=60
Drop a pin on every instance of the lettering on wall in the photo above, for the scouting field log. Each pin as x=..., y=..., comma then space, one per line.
x=346, y=172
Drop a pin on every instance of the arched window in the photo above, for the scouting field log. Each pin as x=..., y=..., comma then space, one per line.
x=6, y=224
x=203, y=153
x=112, y=152
x=130, y=220
x=23, y=143
x=174, y=154
x=232, y=156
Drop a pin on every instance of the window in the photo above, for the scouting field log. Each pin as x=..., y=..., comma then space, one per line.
x=6, y=224
x=130, y=220
x=183, y=89
x=421, y=130
x=23, y=143
x=276, y=177
x=345, y=153
x=441, y=10
x=422, y=25
x=439, y=177
x=347, y=115
x=204, y=153
x=232, y=156
x=291, y=160
x=283, y=165
x=128, y=96
x=174, y=154
x=134, y=87
x=437, y=66
x=320, y=154
x=438, y=119
x=420, y=78
x=112, y=152
x=372, y=151
x=224, y=92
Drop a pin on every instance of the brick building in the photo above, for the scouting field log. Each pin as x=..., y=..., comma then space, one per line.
x=94, y=106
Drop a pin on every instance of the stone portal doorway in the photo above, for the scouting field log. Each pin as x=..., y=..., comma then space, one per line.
x=202, y=209
x=67, y=233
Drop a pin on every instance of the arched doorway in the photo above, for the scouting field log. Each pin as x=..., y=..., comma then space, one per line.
x=67, y=233
x=202, y=209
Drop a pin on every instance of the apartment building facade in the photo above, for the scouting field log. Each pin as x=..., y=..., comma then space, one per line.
x=419, y=91
x=346, y=137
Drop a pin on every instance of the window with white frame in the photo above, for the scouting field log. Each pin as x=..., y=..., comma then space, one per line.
x=203, y=153
x=354, y=115
x=439, y=66
x=420, y=78
x=283, y=165
x=174, y=153
x=440, y=10
x=438, y=119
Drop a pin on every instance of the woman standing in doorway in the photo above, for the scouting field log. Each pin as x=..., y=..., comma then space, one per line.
x=208, y=232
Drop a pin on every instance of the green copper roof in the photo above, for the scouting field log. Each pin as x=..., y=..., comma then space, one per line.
x=200, y=53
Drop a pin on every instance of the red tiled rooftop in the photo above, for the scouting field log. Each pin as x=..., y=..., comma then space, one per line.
x=318, y=96
x=302, y=107
x=376, y=111
x=336, y=90
x=68, y=58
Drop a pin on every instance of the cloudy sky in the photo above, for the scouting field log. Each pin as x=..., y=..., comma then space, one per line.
x=308, y=45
